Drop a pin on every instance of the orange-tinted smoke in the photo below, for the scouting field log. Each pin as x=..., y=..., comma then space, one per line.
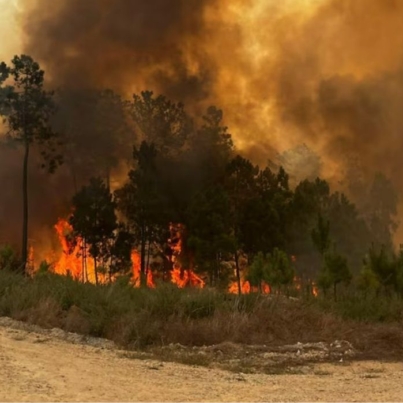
x=324, y=72
x=327, y=73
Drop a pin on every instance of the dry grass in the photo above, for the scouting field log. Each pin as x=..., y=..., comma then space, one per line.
x=139, y=318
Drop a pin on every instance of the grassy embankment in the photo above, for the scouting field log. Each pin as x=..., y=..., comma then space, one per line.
x=137, y=318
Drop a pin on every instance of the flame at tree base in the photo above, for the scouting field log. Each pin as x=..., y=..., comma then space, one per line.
x=246, y=288
x=136, y=271
x=75, y=261
x=186, y=278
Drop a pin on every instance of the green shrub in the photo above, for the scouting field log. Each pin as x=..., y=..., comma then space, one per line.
x=9, y=259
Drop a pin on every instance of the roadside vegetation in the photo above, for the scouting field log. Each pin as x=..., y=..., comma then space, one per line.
x=138, y=318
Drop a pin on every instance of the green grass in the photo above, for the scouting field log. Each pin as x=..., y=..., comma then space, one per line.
x=365, y=308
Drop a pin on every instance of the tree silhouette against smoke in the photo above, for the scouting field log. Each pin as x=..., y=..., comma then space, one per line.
x=27, y=109
x=161, y=121
x=143, y=203
x=97, y=130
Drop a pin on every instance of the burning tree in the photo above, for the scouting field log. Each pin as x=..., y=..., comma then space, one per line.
x=27, y=109
x=94, y=221
x=209, y=221
x=240, y=181
x=143, y=204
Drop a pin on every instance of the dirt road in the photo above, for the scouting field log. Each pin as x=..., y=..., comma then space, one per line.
x=37, y=365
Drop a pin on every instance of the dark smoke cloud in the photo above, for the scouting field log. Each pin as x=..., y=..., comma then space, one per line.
x=125, y=45
x=122, y=44
x=329, y=76
x=340, y=82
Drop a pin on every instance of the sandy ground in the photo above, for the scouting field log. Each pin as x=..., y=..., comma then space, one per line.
x=40, y=365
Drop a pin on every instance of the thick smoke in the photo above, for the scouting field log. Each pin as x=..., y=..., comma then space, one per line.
x=123, y=44
x=339, y=81
x=325, y=73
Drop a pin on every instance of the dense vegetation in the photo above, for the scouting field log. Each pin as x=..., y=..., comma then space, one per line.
x=237, y=219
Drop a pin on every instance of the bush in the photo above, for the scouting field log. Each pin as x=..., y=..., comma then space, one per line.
x=366, y=308
x=9, y=259
x=335, y=271
x=274, y=269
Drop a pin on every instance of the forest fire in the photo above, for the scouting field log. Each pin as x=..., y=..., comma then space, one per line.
x=69, y=261
x=246, y=288
x=136, y=271
x=74, y=260
x=179, y=276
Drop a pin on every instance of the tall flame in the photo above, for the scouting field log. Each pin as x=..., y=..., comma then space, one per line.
x=180, y=276
x=74, y=260
x=70, y=261
x=136, y=271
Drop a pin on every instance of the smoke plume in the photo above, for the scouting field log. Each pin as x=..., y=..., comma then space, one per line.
x=325, y=73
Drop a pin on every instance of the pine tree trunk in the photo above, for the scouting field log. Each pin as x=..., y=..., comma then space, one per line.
x=216, y=271
x=238, y=273
x=147, y=268
x=85, y=260
x=143, y=280
x=24, y=253
x=82, y=264
x=96, y=270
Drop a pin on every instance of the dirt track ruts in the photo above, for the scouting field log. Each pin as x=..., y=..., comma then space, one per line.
x=40, y=366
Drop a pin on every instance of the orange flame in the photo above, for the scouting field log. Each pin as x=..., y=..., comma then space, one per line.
x=180, y=276
x=71, y=261
x=136, y=270
x=184, y=278
x=315, y=291
x=246, y=288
